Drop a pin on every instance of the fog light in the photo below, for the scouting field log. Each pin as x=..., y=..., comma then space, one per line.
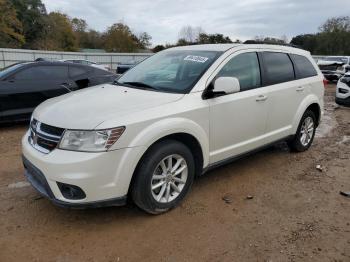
x=343, y=91
x=71, y=192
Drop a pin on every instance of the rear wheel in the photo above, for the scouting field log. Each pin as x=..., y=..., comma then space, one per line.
x=163, y=177
x=305, y=133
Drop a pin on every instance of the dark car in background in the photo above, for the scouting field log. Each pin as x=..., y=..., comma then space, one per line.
x=24, y=86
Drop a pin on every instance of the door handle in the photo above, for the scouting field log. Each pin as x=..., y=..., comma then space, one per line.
x=300, y=88
x=261, y=98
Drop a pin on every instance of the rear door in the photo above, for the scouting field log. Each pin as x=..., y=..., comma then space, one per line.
x=284, y=92
x=35, y=84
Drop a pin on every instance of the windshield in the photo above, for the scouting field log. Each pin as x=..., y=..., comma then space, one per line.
x=9, y=69
x=174, y=71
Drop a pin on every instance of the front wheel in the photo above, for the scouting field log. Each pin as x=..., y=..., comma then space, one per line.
x=302, y=140
x=163, y=177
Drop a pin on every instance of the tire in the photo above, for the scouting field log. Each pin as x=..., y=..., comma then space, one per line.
x=150, y=173
x=296, y=143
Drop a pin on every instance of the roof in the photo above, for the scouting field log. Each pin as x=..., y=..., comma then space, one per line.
x=45, y=63
x=225, y=47
x=209, y=47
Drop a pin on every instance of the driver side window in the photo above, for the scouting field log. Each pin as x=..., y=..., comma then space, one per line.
x=245, y=67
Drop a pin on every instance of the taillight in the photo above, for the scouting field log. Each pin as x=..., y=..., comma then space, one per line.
x=325, y=82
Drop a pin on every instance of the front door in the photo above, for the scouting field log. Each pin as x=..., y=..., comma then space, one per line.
x=238, y=121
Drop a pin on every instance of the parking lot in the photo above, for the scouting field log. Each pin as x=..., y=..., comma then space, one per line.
x=294, y=212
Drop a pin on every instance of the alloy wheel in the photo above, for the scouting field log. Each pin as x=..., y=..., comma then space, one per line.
x=307, y=131
x=169, y=178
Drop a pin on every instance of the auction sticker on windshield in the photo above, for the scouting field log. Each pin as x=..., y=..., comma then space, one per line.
x=194, y=58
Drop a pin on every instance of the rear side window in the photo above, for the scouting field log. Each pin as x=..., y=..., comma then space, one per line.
x=100, y=72
x=278, y=67
x=303, y=67
x=245, y=67
x=43, y=73
x=75, y=71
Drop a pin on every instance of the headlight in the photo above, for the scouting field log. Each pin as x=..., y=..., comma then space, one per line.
x=90, y=141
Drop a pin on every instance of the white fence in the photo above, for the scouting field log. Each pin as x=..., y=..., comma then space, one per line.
x=12, y=56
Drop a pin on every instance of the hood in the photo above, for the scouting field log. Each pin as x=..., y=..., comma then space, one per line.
x=87, y=108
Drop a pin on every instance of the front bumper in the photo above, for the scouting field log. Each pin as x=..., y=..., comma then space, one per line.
x=38, y=181
x=104, y=177
x=343, y=101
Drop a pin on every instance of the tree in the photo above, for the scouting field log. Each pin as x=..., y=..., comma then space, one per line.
x=213, y=39
x=339, y=24
x=189, y=34
x=32, y=15
x=270, y=40
x=334, y=36
x=59, y=34
x=92, y=39
x=158, y=48
x=307, y=42
x=79, y=25
x=11, y=31
x=144, y=40
x=119, y=38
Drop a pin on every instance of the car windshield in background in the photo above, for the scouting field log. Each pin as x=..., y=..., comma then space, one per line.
x=9, y=69
x=174, y=71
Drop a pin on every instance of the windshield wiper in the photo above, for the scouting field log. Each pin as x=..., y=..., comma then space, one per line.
x=138, y=84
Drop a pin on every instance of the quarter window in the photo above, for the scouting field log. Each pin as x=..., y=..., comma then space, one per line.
x=75, y=71
x=303, y=67
x=278, y=67
x=245, y=67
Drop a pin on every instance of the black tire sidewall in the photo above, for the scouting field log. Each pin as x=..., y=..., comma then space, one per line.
x=141, y=188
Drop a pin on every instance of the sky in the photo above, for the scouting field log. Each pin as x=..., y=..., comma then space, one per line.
x=244, y=19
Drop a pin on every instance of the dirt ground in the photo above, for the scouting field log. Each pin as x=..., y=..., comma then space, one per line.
x=296, y=213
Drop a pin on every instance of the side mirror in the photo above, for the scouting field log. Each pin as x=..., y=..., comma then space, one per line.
x=226, y=85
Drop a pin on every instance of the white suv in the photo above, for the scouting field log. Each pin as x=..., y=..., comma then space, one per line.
x=342, y=96
x=172, y=117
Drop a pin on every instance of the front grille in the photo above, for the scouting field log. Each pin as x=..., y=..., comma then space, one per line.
x=52, y=130
x=43, y=137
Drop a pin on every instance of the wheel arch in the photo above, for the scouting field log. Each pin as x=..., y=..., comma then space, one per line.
x=188, y=140
x=316, y=109
x=310, y=102
x=185, y=131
